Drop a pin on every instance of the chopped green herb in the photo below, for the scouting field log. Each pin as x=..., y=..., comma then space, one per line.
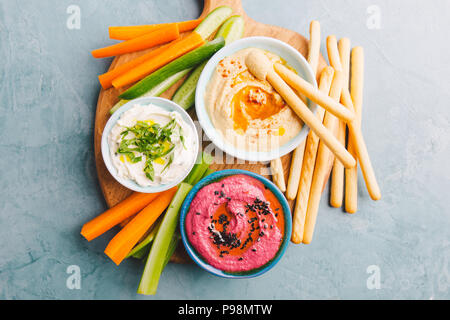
x=149, y=140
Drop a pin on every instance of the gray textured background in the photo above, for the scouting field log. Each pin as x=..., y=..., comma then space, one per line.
x=49, y=187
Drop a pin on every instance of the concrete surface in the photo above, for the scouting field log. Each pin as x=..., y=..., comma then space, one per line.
x=49, y=187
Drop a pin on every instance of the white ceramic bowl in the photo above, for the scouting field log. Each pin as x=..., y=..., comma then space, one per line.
x=168, y=106
x=292, y=57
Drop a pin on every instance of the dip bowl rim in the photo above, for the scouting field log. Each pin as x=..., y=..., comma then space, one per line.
x=196, y=257
x=294, y=59
x=165, y=104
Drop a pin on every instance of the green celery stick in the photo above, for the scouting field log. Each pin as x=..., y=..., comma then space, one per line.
x=161, y=244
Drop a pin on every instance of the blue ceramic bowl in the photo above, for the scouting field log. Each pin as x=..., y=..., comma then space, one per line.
x=199, y=260
x=292, y=57
x=166, y=105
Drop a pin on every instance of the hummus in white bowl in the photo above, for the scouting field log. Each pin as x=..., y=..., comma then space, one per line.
x=248, y=112
x=152, y=146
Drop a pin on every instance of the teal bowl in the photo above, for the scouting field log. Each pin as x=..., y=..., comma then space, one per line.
x=196, y=256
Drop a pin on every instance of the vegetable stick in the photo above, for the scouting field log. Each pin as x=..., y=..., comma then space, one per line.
x=171, y=53
x=260, y=66
x=357, y=85
x=142, y=247
x=119, y=247
x=337, y=178
x=145, y=41
x=131, y=32
x=297, y=157
x=107, y=78
x=125, y=222
x=312, y=144
x=276, y=167
x=161, y=244
x=307, y=89
x=120, y=212
x=324, y=158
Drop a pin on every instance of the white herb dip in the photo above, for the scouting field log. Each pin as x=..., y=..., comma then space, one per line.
x=167, y=168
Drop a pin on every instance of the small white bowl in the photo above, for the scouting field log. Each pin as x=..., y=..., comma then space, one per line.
x=168, y=106
x=292, y=57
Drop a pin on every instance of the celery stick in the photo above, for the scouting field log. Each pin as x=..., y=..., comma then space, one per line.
x=157, y=257
x=208, y=172
x=173, y=245
x=199, y=169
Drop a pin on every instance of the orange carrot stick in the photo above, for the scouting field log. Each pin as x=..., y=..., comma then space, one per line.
x=123, y=210
x=171, y=53
x=145, y=41
x=119, y=247
x=106, y=79
x=131, y=32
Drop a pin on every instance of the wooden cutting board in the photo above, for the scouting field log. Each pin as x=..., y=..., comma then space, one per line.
x=112, y=190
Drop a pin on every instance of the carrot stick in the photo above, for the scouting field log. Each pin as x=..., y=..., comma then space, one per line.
x=106, y=79
x=131, y=32
x=119, y=247
x=122, y=211
x=171, y=53
x=145, y=41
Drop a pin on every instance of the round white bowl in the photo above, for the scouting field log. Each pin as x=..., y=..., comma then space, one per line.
x=292, y=57
x=166, y=105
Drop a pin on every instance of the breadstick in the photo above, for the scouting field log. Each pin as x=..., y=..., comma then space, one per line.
x=337, y=178
x=314, y=46
x=295, y=171
x=321, y=170
x=276, y=167
x=361, y=150
x=357, y=85
x=305, y=88
x=297, y=156
x=312, y=144
x=261, y=67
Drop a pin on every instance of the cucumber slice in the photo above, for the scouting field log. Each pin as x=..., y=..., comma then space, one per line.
x=213, y=21
x=187, y=61
x=231, y=30
x=185, y=95
x=156, y=91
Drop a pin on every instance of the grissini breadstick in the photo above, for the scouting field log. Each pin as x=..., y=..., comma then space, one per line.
x=297, y=156
x=337, y=178
x=359, y=144
x=357, y=85
x=261, y=67
x=314, y=45
x=276, y=167
x=305, y=88
x=312, y=144
x=295, y=171
x=321, y=170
